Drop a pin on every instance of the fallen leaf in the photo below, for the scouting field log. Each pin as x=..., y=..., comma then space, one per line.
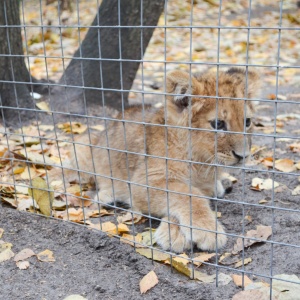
x=129, y=218
x=246, y=262
x=43, y=105
x=259, y=184
x=132, y=240
x=22, y=265
x=262, y=233
x=148, y=237
x=184, y=269
x=238, y=280
x=36, y=158
x=251, y=295
x=122, y=228
x=1, y=232
x=199, y=259
x=285, y=165
x=288, y=290
x=296, y=191
x=58, y=205
x=75, y=297
x=46, y=127
x=248, y=218
x=46, y=256
x=223, y=279
x=72, y=127
x=272, y=96
x=223, y=256
x=148, y=282
x=111, y=228
x=203, y=277
x=18, y=169
x=182, y=258
x=153, y=254
x=23, y=254
x=295, y=147
x=267, y=161
x=263, y=201
x=5, y=251
x=42, y=195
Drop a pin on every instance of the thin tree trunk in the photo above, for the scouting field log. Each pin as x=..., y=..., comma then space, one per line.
x=110, y=42
x=13, y=68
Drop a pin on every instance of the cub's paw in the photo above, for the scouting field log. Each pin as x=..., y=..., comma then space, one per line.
x=227, y=185
x=104, y=197
x=170, y=238
x=206, y=240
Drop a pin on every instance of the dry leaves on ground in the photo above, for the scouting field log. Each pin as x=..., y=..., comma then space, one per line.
x=282, y=289
x=261, y=234
x=148, y=282
x=46, y=256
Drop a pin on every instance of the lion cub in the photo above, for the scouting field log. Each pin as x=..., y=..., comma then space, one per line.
x=139, y=160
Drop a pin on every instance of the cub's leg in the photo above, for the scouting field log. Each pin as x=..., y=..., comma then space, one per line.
x=206, y=232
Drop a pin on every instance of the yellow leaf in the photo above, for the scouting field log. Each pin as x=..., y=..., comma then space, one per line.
x=1, y=232
x=182, y=258
x=184, y=269
x=129, y=218
x=46, y=256
x=203, y=257
x=29, y=173
x=6, y=254
x=122, y=228
x=41, y=194
x=72, y=127
x=37, y=158
x=148, y=282
x=153, y=254
x=132, y=240
x=285, y=165
x=246, y=262
x=43, y=106
x=238, y=280
x=18, y=169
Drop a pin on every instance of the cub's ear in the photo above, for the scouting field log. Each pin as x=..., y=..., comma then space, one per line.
x=184, y=85
x=246, y=81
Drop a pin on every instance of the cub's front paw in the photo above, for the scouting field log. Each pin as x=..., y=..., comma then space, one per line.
x=178, y=238
x=170, y=238
x=104, y=197
x=206, y=240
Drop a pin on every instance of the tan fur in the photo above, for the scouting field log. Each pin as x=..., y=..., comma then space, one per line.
x=159, y=142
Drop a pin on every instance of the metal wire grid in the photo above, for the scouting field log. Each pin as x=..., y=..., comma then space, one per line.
x=107, y=119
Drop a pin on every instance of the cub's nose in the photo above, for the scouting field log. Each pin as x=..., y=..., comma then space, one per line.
x=240, y=156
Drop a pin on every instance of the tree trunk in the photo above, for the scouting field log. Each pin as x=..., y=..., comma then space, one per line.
x=13, y=68
x=103, y=43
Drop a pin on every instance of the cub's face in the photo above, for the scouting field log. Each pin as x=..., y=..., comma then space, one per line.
x=220, y=125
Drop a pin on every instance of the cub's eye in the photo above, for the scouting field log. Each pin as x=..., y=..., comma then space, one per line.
x=248, y=122
x=220, y=124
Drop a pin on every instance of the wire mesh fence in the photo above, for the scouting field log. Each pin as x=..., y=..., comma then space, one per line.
x=138, y=140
